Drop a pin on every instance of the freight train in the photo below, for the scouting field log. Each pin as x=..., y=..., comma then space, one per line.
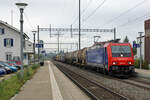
x=109, y=58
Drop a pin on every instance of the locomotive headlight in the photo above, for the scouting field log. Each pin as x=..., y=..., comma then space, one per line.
x=129, y=63
x=114, y=63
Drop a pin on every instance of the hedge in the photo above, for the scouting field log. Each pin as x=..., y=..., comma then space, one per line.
x=144, y=64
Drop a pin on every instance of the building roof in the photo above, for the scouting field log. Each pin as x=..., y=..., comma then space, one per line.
x=29, y=41
x=15, y=29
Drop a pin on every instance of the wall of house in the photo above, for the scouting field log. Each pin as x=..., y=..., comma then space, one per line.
x=15, y=50
x=28, y=51
x=28, y=47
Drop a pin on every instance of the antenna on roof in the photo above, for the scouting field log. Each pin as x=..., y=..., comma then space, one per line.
x=11, y=17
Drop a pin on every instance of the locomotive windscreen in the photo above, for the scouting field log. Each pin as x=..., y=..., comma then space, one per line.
x=121, y=51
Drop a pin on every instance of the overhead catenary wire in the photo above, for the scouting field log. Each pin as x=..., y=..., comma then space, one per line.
x=26, y=17
x=83, y=11
x=125, y=12
x=92, y=13
x=28, y=21
x=134, y=20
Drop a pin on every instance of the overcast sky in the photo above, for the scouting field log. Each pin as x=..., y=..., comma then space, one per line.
x=126, y=15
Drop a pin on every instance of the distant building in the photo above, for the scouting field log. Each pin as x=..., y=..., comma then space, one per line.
x=10, y=42
x=147, y=41
x=142, y=47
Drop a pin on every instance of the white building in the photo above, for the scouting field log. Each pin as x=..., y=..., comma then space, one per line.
x=10, y=42
x=142, y=46
x=28, y=52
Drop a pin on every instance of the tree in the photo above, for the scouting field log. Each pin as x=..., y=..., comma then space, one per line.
x=126, y=40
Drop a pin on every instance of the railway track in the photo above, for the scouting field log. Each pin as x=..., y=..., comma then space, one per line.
x=141, y=80
x=91, y=87
x=143, y=83
x=138, y=82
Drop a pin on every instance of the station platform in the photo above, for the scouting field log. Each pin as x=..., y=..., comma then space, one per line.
x=50, y=84
x=142, y=73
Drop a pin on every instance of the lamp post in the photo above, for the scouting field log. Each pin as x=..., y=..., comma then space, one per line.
x=21, y=7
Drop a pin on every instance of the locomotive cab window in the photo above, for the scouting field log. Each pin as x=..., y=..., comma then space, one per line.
x=121, y=51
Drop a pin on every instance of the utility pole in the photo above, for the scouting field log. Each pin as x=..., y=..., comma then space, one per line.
x=114, y=33
x=38, y=43
x=71, y=30
x=58, y=41
x=140, y=49
x=77, y=46
x=79, y=25
x=50, y=31
x=34, y=44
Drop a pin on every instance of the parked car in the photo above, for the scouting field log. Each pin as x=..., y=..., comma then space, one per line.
x=14, y=69
x=15, y=64
x=2, y=71
x=8, y=70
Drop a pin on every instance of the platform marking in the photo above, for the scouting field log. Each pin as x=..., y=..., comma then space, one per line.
x=55, y=89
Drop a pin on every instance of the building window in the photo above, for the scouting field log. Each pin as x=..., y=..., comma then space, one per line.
x=2, y=31
x=8, y=56
x=8, y=42
x=29, y=45
x=25, y=56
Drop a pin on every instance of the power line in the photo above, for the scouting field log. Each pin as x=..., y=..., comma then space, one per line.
x=86, y=6
x=83, y=11
x=28, y=21
x=134, y=20
x=128, y=10
x=31, y=26
x=94, y=11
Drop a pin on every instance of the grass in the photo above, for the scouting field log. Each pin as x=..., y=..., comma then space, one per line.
x=10, y=87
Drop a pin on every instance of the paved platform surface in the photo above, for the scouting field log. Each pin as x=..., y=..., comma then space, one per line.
x=143, y=73
x=50, y=84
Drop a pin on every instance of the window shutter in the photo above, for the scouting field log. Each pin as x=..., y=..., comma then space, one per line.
x=4, y=42
x=12, y=43
x=3, y=31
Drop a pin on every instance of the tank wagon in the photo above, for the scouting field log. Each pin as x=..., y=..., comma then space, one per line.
x=109, y=58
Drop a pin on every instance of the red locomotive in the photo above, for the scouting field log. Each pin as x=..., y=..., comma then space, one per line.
x=120, y=58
